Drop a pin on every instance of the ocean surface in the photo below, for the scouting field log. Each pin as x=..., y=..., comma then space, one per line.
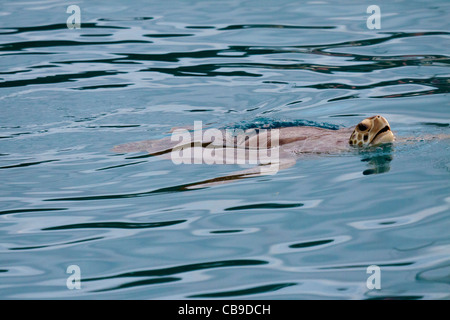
x=135, y=69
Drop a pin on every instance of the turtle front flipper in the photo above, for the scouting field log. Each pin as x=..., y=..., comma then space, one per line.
x=154, y=147
x=260, y=170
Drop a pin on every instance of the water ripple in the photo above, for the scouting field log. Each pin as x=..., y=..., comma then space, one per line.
x=138, y=283
x=266, y=206
x=177, y=67
x=164, y=274
x=116, y=225
x=24, y=45
x=184, y=268
x=59, y=78
x=244, y=292
x=56, y=26
x=30, y=210
x=272, y=26
x=27, y=164
x=399, y=221
x=56, y=244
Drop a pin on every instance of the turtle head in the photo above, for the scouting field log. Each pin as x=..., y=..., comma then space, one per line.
x=371, y=132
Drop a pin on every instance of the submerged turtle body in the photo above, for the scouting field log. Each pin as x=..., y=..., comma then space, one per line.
x=294, y=140
x=290, y=140
x=291, y=143
x=310, y=140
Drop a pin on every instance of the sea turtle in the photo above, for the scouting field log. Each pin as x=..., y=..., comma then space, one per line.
x=287, y=144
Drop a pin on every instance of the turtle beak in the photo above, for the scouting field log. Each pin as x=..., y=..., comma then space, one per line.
x=381, y=131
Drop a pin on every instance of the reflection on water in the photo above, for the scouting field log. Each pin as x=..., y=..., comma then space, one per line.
x=142, y=228
x=378, y=160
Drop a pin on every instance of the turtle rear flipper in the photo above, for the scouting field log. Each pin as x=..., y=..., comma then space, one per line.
x=156, y=147
x=151, y=146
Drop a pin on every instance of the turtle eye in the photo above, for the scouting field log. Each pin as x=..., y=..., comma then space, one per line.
x=362, y=127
